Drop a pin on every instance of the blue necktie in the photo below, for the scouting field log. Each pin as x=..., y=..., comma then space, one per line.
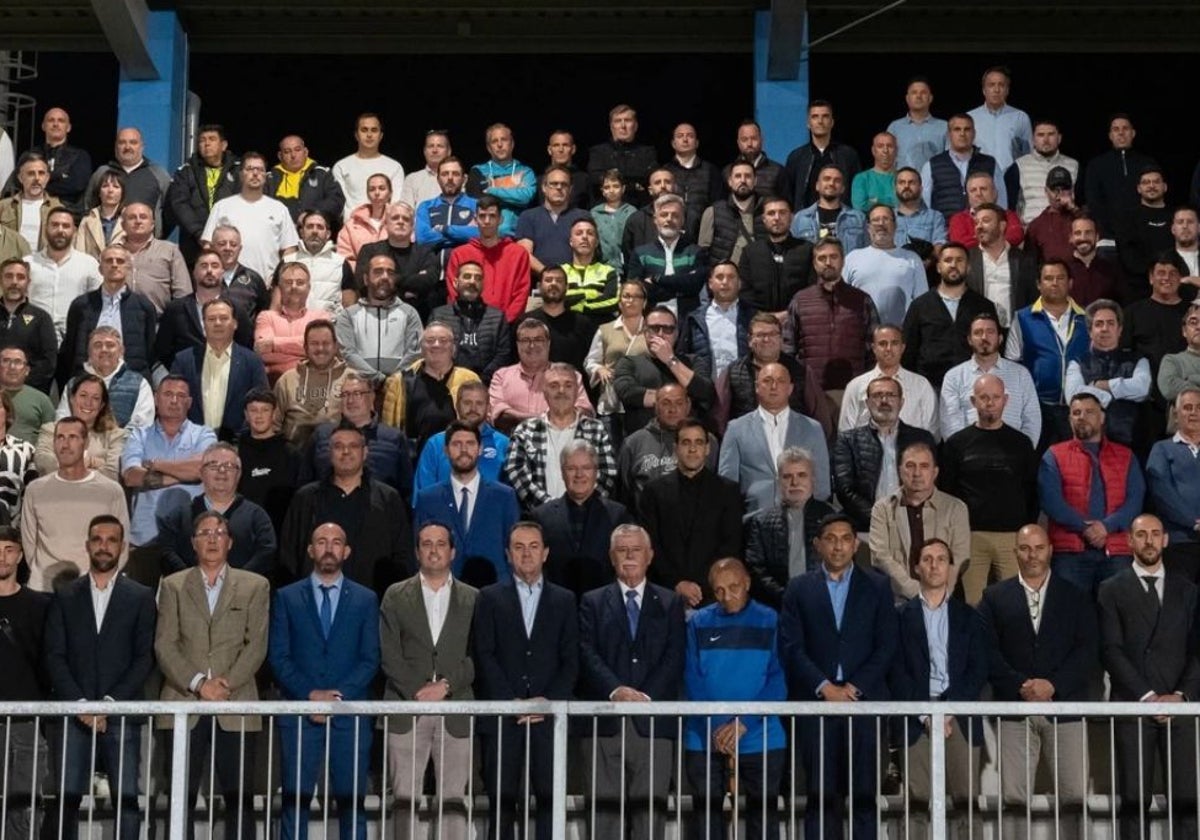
x=632, y=611
x=326, y=611
x=464, y=509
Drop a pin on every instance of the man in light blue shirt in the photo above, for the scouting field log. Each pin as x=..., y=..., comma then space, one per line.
x=1002, y=131
x=914, y=220
x=892, y=276
x=919, y=135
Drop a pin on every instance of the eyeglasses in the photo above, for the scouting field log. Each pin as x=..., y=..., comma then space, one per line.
x=347, y=395
x=211, y=533
x=557, y=185
x=660, y=329
x=530, y=342
x=13, y=362
x=436, y=342
x=220, y=467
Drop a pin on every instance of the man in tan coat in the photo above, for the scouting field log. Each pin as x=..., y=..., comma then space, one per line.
x=210, y=641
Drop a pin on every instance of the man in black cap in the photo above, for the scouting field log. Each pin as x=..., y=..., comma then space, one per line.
x=1049, y=235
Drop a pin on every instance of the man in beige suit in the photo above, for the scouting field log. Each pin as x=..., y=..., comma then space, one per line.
x=211, y=640
x=425, y=640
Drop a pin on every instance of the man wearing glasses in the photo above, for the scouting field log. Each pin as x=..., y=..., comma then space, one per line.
x=545, y=231
x=268, y=232
x=515, y=392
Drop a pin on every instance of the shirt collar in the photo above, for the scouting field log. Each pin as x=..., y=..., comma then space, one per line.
x=317, y=584
x=777, y=417
x=472, y=485
x=845, y=576
x=640, y=589
x=929, y=607
x=1029, y=589
x=1158, y=574
x=427, y=588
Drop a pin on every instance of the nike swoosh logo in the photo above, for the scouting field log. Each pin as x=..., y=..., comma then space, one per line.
x=714, y=638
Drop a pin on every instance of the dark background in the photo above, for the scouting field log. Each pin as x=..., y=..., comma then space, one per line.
x=259, y=98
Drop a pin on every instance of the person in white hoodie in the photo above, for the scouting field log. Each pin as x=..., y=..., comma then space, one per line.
x=331, y=277
x=381, y=333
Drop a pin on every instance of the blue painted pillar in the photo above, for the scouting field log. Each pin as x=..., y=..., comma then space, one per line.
x=157, y=106
x=779, y=106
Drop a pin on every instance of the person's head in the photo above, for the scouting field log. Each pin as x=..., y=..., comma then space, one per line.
x=828, y=257
x=435, y=549
x=358, y=399
x=830, y=183
x=773, y=387
x=207, y=271
x=527, y=550
x=137, y=220
x=33, y=174
x=630, y=552
x=211, y=144
x=560, y=387
x=253, y=172
x=398, y=221
x=220, y=322
x=450, y=176
x=1165, y=276
x=622, y=123
x=471, y=405
x=172, y=399
x=553, y=285
x=1087, y=417
x=612, y=187
x=1060, y=188
x=320, y=343
x=533, y=343
x=981, y=189
x=989, y=399
x=1152, y=186
x=560, y=148
x=14, y=280
x=315, y=230
x=468, y=284
x=990, y=224
x=1046, y=137
x=765, y=337
x=437, y=345
x=1104, y=323
x=105, y=542
x=1033, y=553
x=115, y=265
x=487, y=216
x=60, y=229
x=983, y=335
x=1084, y=236
x=662, y=322
x=668, y=216
x=348, y=450
x=741, y=180
x=70, y=442
x=749, y=139
x=777, y=217
x=500, y=144
x=1147, y=539
x=14, y=368
x=262, y=407
x=580, y=465
x=293, y=152
x=294, y=285
x=918, y=470
x=887, y=343
x=106, y=350
x=691, y=446
x=328, y=549
x=436, y=148
x=379, y=190
x=462, y=444
x=883, y=150
x=820, y=119
x=220, y=470
x=836, y=542
x=934, y=564
x=1191, y=327
x=684, y=141
x=556, y=185
x=794, y=468
x=11, y=553
x=227, y=242
x=996, y=83
x=583, y=239
x=952, y=264
x=730, y=583
x=918, y=95
x=110, y=191
x=885, y=397
x=671, y=406
x=129, y=148
x=380, y=279
x=961, y=133
x=724, y=284
x=56, y=125
x=908, y=185
x=368, y=132
x=1185, y=227
x=87, y=399
x=1054, y=282
x=881, y=226
x=661, y=182
x=1187, y=412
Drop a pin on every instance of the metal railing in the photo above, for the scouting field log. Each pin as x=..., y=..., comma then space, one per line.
x=559, y=714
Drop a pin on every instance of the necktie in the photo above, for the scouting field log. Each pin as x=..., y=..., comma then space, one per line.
x=326, y=611
x=464, y=509
x=632, y=611
x=1151, y=591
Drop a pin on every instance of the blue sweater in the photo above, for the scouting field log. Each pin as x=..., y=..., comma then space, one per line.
x=734, y=657
x=1173, y=479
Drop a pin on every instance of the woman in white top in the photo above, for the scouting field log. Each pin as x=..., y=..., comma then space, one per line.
x=88, y=399
x=620, y=337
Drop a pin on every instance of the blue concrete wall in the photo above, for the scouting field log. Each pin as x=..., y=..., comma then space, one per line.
x=779, y=106
x=156, y=107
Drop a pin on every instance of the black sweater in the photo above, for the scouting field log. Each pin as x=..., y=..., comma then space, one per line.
x=994, y=472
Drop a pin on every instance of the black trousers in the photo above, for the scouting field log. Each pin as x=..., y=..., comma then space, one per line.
x=1136, y=762
x=708, y=774
x=505, y=759
x=233, y=769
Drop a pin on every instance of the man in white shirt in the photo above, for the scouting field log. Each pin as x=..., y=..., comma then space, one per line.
x=58, y=273
x=920, y=402
x=268, y=233
x=25, y=211
x=352, y=171
x=422, y=185
x=893, y=277
x=1185, y=232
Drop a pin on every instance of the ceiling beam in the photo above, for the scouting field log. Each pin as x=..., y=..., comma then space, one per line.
x=124, y=24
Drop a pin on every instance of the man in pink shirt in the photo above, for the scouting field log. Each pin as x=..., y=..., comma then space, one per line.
x=279, y=334
x=515, y=393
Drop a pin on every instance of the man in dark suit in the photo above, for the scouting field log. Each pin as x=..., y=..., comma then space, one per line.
x=425, y=644
x=837, y=639
x=99, y=645
x=179, y=326
x=1148, y=628
x=1043, y=644
x=778, y=539
x=942, y=655
x=526, y=647
x=631, y=649
x=578, y=524
x=324, y=647
x=228, y=365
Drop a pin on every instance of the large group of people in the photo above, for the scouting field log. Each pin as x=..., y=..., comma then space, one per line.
x=625, y=430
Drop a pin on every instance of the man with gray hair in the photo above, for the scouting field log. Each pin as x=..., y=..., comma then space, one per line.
x=129, y=394
x=1118, y=377
x=158, y=270
x=778, y=537
x=671, y=265
x=577, y=525
x=538, y=442
x=1173, y=483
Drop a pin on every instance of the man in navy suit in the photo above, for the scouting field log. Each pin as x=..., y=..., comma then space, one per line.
x=1043, y=642
x=324, y=647
x=526, y=647
x=480, y=512
x=838, y=633
x=99, y=645
x=220, y=373
x=631, y=649
x=942, y=655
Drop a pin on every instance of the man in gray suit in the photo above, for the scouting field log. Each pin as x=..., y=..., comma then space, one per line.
x=753, y=442
x=425, y=648
x=210, y=640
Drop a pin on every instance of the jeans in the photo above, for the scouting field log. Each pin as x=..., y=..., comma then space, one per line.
x=1086, y=570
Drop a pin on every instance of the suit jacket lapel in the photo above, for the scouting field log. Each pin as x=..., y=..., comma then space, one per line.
x=224, y=598
x=1141, y=598
x=193, y=585
x=416, y=596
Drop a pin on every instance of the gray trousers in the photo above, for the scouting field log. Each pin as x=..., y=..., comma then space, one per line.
x=630, y=785
x=1063, y=748
x=409, y=753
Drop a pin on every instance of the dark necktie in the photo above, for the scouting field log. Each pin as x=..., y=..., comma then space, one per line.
x=1151, y=592
x=326, y=611
x=464, y=509
x=632, y=611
